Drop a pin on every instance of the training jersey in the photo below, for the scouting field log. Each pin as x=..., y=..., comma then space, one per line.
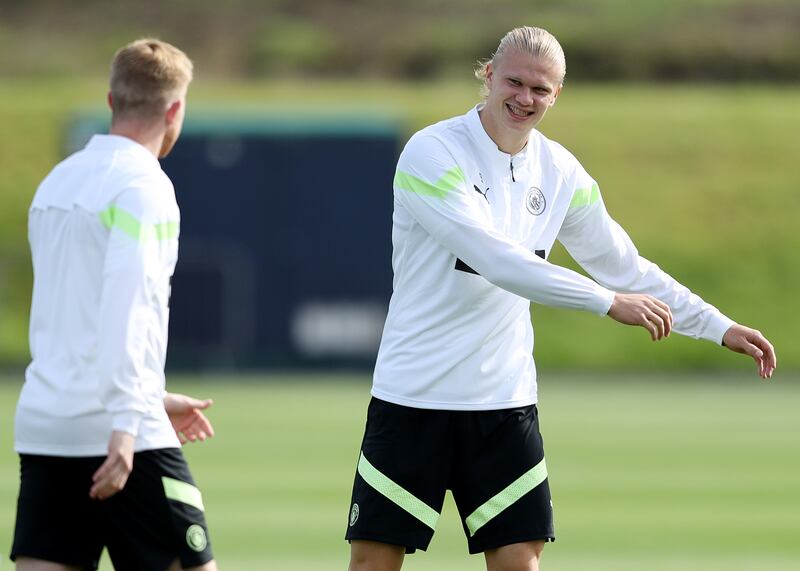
x=471, y=232
x=103, y=232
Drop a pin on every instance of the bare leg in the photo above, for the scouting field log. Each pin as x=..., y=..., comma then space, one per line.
x=375, y=556
x=210, y=566
x=515, y=557
x=29, y=564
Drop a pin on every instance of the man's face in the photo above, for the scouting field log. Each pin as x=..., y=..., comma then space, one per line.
x=175, y=124
x=521, y=90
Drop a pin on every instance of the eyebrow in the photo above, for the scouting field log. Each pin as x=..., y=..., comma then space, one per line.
x=535, y=85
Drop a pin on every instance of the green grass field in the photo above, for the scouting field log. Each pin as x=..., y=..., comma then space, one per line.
x=697, y=473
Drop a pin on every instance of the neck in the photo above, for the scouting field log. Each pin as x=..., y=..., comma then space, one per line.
x=508, y=142
x=149, y=135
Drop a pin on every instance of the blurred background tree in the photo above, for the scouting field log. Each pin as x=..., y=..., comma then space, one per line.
x=726, y=40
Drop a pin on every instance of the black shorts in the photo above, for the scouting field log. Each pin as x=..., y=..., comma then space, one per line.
x=156, y=518
x=493, y=461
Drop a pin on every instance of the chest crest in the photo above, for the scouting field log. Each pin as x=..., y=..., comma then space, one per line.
x=535, y=201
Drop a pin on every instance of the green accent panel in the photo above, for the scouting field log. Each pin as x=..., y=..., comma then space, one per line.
x=182, y=492
x=585, y=196
x=114, y=217
x=416, y=507
x=439, y=189
x=514, y=491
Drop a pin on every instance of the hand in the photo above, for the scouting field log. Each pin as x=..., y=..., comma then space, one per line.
x=643, y=310
x=184, y=413
x=112, y=475
x=741, y=339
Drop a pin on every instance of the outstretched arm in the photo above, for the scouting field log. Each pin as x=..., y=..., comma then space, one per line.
x=741, y=339
x=185, y=414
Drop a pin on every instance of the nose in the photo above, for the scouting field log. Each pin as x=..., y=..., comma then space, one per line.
x=525, y=96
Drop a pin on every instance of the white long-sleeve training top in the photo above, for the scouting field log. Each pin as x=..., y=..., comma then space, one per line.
x=103, y=231
x=472, y=229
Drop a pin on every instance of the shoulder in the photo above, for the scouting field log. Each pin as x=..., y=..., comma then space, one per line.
x=438, y=143
x=149, y=194
x=556, y=153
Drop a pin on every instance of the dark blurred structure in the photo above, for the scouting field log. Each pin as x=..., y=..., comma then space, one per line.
x=652, y=40
x=285, y=242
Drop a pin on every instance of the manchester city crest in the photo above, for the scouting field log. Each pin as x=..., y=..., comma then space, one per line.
x=535, y=201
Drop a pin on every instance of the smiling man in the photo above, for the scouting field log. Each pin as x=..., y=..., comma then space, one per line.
x=480, y=200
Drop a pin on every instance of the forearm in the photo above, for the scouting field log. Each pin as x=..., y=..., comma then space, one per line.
x=121, y=349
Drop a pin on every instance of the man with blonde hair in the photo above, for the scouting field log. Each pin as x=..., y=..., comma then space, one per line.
x=98, y=435
x=479, y=201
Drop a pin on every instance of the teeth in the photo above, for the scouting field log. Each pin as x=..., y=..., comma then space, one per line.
x=519, y=112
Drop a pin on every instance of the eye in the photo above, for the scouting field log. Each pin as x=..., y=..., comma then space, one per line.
x=515, y=82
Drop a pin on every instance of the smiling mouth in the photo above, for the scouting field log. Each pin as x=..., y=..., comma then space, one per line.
x=518, y=112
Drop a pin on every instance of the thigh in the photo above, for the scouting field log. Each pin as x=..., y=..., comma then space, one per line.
x=515, y=556
x=158, y=517
x=56, y=520
x=401, y=476
x=500, y=484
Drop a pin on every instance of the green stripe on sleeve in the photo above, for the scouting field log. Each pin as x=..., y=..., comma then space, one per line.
x=514, y=491
x=113, y=217
x=182, y=492
x=439, y=189
x=403, y=498
x=585, y=196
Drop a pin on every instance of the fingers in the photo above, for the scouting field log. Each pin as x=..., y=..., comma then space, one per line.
x=751, y=342
x=763, y=361
x=665, y=313
x=644, y=311
x=198, y=403
x=764, y=355
x=198, y=427
x=109, y=479
x=657, y=318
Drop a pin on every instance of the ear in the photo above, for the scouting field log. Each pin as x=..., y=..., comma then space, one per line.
x=556, y=94
x=489, y=74
x=172, y=111
x=110, y=100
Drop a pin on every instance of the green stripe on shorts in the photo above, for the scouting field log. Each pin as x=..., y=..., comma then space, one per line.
x=396, y=493
x=514, y=491
x=182, y=492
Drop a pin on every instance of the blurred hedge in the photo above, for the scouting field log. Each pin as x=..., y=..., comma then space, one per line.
x=731, y=40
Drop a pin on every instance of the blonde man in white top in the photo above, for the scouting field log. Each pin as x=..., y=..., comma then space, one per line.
x=98, y=435
x=479, y=201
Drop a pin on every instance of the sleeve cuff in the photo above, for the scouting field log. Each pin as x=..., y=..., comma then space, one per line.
x=127, y=422
x=602, y=303
x=718, y=325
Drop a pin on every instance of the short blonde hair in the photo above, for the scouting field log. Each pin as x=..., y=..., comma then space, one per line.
x=145, y=76
x=536, y=42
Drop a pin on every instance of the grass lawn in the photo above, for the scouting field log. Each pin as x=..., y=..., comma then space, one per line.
x=692, y=472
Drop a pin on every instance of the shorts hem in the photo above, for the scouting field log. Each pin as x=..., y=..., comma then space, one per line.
x=189, y=562
x=480, y=548
x=51, y=559
x=410, y=546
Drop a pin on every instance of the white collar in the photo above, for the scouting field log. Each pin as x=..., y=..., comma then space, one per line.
x=120, y=143
x=487, y=144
